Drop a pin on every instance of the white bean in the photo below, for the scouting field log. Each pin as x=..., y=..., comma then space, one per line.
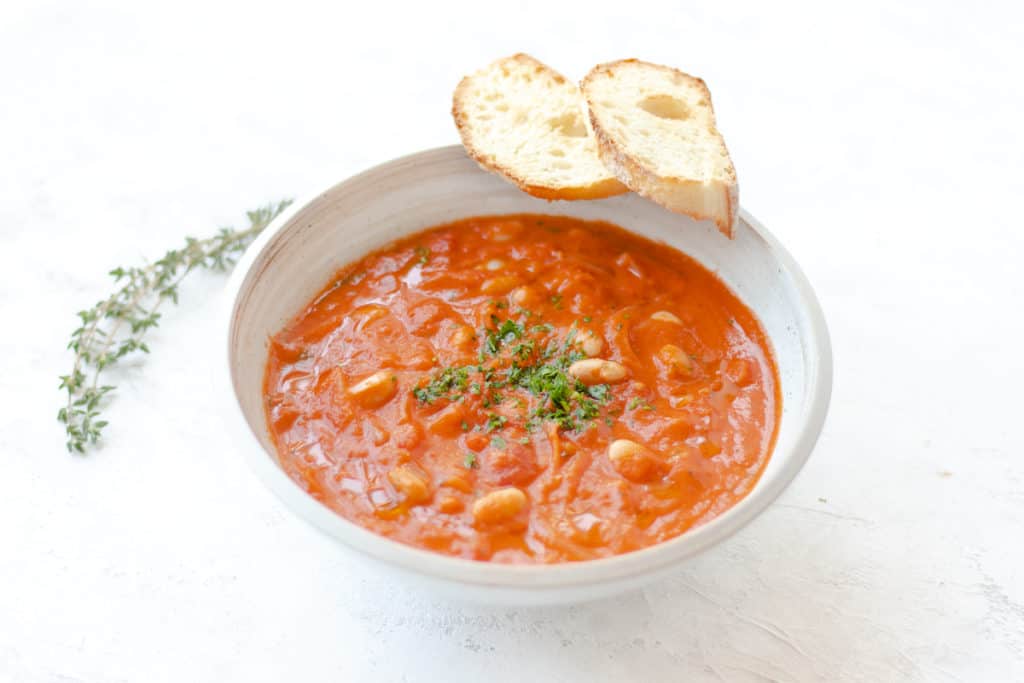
x=677, y=360
x=375, y=390
x=497, y=506
x=597, y=371
x=590, y=343
x=632, y=461
x=410, y=484
x=666, y=317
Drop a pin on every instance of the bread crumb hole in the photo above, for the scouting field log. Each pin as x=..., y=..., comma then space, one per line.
x=570, y=124
x=665, y=107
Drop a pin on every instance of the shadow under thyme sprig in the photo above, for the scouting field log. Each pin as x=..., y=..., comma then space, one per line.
x=115, y=326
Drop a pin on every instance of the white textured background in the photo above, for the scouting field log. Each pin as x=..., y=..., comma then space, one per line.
x=880, y=141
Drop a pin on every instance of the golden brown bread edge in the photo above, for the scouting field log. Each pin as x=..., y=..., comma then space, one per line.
x=607, y=188
x=634, y=174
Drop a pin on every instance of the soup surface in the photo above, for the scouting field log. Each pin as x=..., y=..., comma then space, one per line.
x=524, y=389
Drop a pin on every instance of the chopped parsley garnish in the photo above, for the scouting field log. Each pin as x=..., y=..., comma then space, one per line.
x=524, y=350
x=495, y=421
x=642, y=403
x=498, y=442
x=563, y=399
x=503, y=333
x=570, y=338
x=509, y=331
x=551, y=349
x=470, y=460
x=422, y=254
x=450, y=380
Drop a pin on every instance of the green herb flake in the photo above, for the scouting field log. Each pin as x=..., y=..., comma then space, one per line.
x=495, y=422
x=599, y=392
x=498, y=442
x=422, y=254
x=470, y=460
x=524, y=350
x=503, y=333
x=641, y=403
x=570, y=338
x=446, y=384
x=510, y=330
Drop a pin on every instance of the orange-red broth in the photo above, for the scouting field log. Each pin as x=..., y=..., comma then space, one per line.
x=367, y=421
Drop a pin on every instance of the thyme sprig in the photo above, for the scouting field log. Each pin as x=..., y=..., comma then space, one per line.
x=116, y=326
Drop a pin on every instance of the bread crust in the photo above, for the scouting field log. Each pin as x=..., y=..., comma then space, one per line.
x=606, y=188
x=643, y=180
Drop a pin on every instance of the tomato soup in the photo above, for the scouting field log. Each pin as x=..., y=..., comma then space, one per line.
x=524, y=389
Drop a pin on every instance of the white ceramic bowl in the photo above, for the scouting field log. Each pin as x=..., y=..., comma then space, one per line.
x=297, y=254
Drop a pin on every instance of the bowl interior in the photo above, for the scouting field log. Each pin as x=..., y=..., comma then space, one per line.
x=298, y=255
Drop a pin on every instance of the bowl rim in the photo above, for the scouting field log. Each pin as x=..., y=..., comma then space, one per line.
x=534, y=577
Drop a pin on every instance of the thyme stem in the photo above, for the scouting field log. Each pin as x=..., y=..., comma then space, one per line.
x=116, y=326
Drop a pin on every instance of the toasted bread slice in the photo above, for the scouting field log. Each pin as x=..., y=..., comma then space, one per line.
x=655, y=130
x=523, y=120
